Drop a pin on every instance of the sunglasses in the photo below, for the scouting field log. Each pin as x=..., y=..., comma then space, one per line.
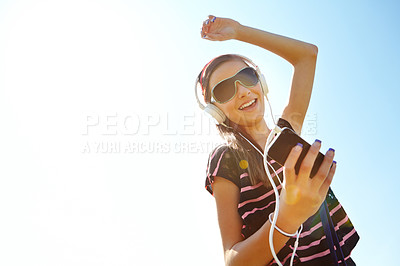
x=225, y=90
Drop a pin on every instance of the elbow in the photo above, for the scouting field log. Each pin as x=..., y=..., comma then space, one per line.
x=235, y=258
x=312, y=51
x=229, y=257
x=232, y=258
x=308, y=54
x=315, y=51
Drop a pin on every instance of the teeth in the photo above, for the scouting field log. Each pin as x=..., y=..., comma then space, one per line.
x=247, y=104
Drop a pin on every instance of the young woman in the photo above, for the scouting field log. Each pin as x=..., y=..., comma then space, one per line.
x=235, y=172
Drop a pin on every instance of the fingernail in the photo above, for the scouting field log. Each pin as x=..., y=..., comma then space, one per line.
x=334, y=162
x=207, y=21
x=317, y=140
x=204, y=36
x=298, y=146
x=330, y=149
x=213, y=19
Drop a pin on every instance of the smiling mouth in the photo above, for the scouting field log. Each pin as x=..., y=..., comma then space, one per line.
x=248, y=104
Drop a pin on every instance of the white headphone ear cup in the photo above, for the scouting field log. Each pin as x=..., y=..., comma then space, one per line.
x=264, y=84
x=215, y=112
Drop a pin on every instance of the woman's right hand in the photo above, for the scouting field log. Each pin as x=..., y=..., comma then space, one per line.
x=302, y=196
x=219, y=29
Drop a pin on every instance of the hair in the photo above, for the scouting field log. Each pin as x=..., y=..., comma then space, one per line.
x=230, y=132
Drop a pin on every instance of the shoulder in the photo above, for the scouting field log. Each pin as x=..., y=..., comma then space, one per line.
x=223, y=162
x=222, y=151
x=224, y=157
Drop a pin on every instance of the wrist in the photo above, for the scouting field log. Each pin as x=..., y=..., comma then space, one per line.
x=239, y=29
x=298, y=231
x=287, y=223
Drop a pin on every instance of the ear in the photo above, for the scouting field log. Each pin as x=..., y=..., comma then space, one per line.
x=215, y=112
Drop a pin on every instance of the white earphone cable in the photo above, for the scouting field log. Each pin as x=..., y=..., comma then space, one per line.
x=276, y=212
x=276, y=192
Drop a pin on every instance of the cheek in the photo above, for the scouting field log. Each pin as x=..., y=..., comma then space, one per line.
x=258, y=90
x=228, y=109
x=263, y=101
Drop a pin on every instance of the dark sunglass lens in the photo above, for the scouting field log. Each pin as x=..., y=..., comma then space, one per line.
x=248, y=76
x=224, y=91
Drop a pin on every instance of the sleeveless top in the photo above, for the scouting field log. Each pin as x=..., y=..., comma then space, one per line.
x=257, y=202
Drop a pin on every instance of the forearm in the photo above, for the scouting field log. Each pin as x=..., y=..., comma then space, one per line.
x=290, y=49
x=255, y=250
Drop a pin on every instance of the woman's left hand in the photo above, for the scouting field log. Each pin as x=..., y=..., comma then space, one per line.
x=219, y=29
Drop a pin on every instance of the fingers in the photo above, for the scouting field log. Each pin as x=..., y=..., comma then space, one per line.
x=213, y=37
x=328, y=180
x=324, y=169
x=308, y=161
x=289, y=172
x=206, y=26
x=212, y=18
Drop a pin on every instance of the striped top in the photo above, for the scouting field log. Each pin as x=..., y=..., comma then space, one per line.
x=257, y=202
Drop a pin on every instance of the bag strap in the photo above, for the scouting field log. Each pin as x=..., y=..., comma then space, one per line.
x=331, y=236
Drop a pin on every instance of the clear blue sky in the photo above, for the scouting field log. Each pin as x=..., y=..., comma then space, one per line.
x=104, y=150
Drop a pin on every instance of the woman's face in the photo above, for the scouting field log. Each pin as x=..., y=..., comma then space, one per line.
x=248, y=116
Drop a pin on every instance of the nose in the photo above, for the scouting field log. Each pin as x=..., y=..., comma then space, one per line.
x=242, y=91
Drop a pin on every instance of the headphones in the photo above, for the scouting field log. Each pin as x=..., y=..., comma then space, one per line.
x=212, y=109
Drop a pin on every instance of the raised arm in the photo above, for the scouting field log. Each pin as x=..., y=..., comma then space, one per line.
x=301, y=55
